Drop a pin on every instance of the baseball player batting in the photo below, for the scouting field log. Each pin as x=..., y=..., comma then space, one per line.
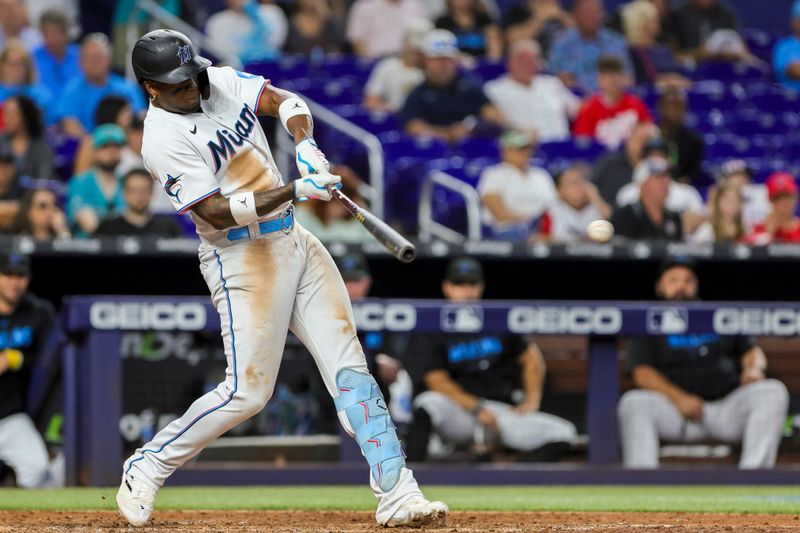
x=266, y=273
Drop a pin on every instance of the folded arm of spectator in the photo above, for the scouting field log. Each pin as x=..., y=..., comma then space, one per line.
x=494, y=203
x=649, y=378
x=533, y=372
x=453, y=132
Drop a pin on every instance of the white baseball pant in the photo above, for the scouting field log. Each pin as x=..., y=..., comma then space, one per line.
x=22, y=448
x=518, y=431
x=262, y=288
x=753, y=414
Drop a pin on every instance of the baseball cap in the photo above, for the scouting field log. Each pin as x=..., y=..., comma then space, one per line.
x=651, y=166
x=464, y=270
x=108, y=134
x=440, y=43
x=515, y=140
x=733, y=167
x=15, y=265
x=677, y=261
x=655, y=144
x=780, y=183
x=353, y=267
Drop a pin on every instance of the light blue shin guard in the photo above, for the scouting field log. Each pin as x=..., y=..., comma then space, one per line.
x=363, y=404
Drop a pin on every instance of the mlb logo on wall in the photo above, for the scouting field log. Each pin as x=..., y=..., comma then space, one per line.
x=462, y=318
x=667, y=320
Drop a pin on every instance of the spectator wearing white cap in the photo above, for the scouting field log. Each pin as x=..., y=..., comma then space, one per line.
x=530, y=100
x=649, y=218
x=446, y=105
x=394, y=77
x=376, y=28
x=514, y=193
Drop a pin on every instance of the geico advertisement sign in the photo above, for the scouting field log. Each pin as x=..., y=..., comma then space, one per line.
x=388, y=317
x=159, y=316
x=756, y=321
x=575, y=320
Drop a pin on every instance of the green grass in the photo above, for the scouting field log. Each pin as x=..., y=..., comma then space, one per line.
x=738, y=499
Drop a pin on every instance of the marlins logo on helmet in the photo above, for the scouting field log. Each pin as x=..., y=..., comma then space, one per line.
x=184, y=53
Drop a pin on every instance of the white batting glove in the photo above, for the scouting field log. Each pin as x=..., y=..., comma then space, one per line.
x=310, y=159
x=316, y=186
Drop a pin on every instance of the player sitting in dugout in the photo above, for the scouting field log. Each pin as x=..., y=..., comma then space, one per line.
x=480, y=389
x=696, y=387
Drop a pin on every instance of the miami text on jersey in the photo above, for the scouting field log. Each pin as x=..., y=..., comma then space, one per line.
x=227, y=141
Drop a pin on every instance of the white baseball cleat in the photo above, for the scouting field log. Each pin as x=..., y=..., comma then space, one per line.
x=418, y=512
x=135, y=500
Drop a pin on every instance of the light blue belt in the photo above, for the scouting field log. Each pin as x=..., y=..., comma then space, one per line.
x=282, y=223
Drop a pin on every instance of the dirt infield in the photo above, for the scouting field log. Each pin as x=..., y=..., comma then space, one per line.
x=352, y=522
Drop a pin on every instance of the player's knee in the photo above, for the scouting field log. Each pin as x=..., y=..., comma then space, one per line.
x=250, y=404
x=431, y=402
x=635, y=404
x=772, y=395
x=33, y=473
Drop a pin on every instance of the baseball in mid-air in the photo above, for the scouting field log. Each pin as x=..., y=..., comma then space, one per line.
x=600, y=231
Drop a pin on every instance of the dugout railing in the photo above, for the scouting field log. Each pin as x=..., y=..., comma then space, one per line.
x=92, y=370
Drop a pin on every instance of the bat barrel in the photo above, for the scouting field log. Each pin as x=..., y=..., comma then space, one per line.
x=407, y=253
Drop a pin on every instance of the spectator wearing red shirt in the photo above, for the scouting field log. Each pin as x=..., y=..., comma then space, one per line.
x=781, y=225
x=610, y=115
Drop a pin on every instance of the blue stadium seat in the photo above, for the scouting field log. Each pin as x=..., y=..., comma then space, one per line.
x=397, y=145
x=718, y=70
x=479, y=147
x=374, y=122
x=488, y=70
x=287, y=67
x=334, y=93
x=336, y=67
x=581, y=149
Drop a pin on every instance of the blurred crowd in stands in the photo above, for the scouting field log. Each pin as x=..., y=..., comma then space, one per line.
x=665, y=117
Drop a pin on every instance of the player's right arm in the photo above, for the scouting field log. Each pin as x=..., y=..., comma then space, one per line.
x=216, y=210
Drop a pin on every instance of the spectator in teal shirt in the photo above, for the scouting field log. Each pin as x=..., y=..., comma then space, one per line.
x=575, y=51
x=81, y=96
x=786, y=54
x=97, y=193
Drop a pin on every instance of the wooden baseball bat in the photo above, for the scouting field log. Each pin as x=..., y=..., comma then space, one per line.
x=397, y=245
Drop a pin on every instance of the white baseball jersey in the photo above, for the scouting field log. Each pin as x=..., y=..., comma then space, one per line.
x=221, y=148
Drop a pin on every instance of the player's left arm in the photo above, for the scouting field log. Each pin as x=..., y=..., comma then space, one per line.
x=295, y=116
x=533, y=372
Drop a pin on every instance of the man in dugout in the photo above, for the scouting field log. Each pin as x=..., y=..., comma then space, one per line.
x=26, y=325
x=479, y=389
x=693, y=387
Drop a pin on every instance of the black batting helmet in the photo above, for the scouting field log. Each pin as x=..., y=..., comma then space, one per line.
x=167, y=56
